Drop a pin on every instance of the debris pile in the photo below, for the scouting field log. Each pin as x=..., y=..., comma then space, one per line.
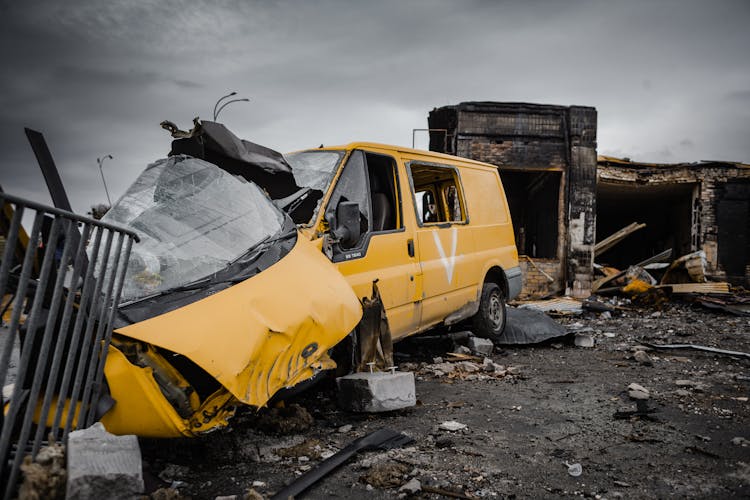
x=44, y=477
x=654, y=281
x=386, y=475
x=283, y=420
x=457, y=365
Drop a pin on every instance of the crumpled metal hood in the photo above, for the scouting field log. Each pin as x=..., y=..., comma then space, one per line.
x=266, y=333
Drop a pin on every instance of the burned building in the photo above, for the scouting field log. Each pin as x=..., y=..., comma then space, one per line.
x=546, y=156
x=687, y=207
x=564, y=199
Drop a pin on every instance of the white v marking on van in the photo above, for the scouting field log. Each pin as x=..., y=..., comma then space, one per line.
x=448, y=262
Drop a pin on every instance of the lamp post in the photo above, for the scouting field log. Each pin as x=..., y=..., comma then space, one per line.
x=100, y=161
x=217, y=111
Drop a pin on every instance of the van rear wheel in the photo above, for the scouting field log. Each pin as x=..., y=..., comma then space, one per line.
x=489, y=321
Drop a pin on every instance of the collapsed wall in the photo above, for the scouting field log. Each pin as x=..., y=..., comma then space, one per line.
x=686, y=207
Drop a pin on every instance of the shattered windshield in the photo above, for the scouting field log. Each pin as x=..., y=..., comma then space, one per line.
x=193, y=219
x=314, y=169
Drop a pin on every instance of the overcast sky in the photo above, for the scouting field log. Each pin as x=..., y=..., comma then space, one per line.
x=670, y=79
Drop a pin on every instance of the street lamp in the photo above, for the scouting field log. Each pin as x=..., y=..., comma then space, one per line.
x=100, y=161
x=217, y=111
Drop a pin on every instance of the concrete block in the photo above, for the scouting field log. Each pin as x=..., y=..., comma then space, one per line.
x=376, y=392
x=480, y=346
x=102, y=465
x=584, y=340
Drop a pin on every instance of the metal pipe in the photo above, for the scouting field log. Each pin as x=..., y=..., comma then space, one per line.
x=89, y=379
x=99, y=374
x=62, y=393
x=16, y=400
x=86, y=306
x=29, y=345
x=221, y=99
x=60, y=334
x=216, y=114
x=70, y=215
x=10, y=248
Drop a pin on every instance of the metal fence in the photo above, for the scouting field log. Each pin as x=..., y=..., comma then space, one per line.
x=59, y=285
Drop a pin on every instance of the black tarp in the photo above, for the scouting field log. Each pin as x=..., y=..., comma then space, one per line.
x=216, y=144
x=528, y=326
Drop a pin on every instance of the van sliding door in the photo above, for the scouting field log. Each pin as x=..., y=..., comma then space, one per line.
x=444, y=241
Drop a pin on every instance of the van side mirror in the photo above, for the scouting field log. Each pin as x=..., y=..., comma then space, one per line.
x=345, y=227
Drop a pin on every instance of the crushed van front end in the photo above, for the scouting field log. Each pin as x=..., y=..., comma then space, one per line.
x=224, y=303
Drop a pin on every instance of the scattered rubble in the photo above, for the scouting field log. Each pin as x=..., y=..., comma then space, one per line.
x=411, y=487
x=643, y=358
x=692, y=384
x=642, y=411
x=480, y=346
x=636, y=391
x=174, y=472
x=283, y=420
x=386, y=475
x=452, y=426
x=583, y=340
x=467, y=370
x=302, y=452
x=574, y=470
x=169, y=494
x=45, y=477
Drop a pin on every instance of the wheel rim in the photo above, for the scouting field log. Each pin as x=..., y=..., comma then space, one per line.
x=496, y=310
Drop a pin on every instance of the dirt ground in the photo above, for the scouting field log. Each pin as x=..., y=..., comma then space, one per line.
x=547, y=406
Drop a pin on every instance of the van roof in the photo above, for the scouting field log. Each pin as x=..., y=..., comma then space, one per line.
x=403, y=149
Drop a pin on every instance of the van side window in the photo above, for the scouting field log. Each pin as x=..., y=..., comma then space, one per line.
x=369, y=179
x=382, y=176
x=352, y=186
x=438, y=194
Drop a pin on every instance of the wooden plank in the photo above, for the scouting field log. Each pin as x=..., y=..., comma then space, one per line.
x=615, y=238
x=679, y=288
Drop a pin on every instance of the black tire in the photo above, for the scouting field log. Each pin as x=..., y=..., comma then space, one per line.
x=489, y=321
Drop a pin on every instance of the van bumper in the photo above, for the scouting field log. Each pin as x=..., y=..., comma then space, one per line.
x=515, y=282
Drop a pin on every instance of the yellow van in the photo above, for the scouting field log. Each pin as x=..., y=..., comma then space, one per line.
x=253, y=267
x=434, y=230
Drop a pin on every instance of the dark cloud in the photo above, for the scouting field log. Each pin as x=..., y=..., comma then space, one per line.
x=739, y=95
x=98, y=77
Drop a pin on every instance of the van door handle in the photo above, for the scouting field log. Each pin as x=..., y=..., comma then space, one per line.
x=410, y=247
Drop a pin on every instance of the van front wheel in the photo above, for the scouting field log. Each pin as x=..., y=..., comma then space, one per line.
x=489, y=321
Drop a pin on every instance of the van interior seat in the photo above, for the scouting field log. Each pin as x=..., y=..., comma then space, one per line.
x=382, y=208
